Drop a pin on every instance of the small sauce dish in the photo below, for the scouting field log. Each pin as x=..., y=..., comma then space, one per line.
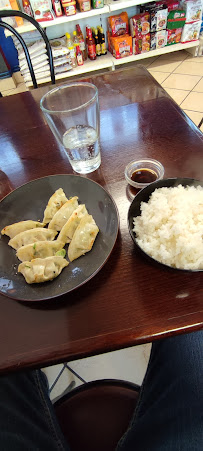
x=140, y=173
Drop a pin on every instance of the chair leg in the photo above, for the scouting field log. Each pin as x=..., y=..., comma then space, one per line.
x=201, y=122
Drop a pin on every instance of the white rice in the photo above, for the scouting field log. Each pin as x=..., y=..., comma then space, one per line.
x=170, y=228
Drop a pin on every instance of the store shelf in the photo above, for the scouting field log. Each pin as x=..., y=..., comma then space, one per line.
x=60, y=20
x=111, y=6
x=158, y=52
x=103, y=62
x=116, y=5
x=108, y=61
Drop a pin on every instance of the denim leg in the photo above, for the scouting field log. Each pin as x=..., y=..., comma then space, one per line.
x=169, y=414
x=27, y=417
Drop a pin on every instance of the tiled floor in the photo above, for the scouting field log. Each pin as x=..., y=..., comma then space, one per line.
x=181, y=75
x=127, y=364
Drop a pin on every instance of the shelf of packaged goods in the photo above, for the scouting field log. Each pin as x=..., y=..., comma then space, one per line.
x=158, y=52
x=109, y=7
x=109, y=62
x=103, y=62
x=60, y=20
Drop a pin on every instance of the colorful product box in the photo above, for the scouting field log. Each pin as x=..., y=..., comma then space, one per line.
x=42, y=10
x=193, y=10
x=176, y=19
x=191, y=31
x=158, y=15
x=141, y=43
x=120, y=46
x=140, y=23
x=158, y=40
x=174, y=36
x=118, y=25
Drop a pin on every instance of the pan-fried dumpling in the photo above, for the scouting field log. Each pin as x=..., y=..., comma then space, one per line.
x=83, y=238
x=13, y=229
x=62, y=215
x=31, y=236
x=69, y=228
x=55, y=202
x=40, y=249
x=42, y=269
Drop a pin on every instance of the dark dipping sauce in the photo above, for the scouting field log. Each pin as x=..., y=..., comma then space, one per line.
x=143, y=175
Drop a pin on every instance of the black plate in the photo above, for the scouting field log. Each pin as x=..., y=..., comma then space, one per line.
x=29, y=202
x=143, y=196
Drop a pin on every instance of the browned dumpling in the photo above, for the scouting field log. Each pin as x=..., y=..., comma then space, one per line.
x=63, y=214
x=69, y=228
x=83, y=238
x=42, y=269
x=18, y=227
x=31, y=236
x=55, y=202
x=39, y=249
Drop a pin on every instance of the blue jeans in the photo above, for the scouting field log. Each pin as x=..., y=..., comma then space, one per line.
x=169, y=414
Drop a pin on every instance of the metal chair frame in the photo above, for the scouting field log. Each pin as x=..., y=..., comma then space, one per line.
x=10, y=13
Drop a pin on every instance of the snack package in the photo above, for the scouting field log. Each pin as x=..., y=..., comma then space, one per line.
x=174, y=36
x=39, y=76
x=161, y=39
x=141, y=43
x=61, y=60
x=34, y=49
x=97, y=4
x=193, y=10
x=140, y=23
x=121, y=46
x=191, y=31
x=118, y=25
x=69, y=7
x=158, y=39
x=63, y=68
x=172, y=4
x=35, y=61
x=158, y=15
x=84, y=5
x=5, y=4
x=161, y=19
x=59, y=47
x=42, y=10
x=14, y=5
x=176, y=19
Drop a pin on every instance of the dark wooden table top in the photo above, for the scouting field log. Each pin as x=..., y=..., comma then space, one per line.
x=130, y=301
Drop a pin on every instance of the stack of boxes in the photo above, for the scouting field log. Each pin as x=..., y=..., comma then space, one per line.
x=158, y=20
x=119, y=40
x=191, y=29
x=140, y=32
x=39, y=58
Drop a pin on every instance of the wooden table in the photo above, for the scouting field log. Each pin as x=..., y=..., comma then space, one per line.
x=129, y=301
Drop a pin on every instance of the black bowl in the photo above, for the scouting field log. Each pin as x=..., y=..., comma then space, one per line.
x=143, y=196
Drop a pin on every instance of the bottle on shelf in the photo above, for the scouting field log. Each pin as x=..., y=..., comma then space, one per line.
x=87, y=31
x=72, y=50
x=97, y=43
x=81, y=42
x=57, y=8
x=27, y=8
x=79, y=56
x=75, y=39
x=102, y=40
x=91, y=47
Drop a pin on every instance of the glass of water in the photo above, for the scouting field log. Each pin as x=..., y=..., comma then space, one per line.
x=72, y=113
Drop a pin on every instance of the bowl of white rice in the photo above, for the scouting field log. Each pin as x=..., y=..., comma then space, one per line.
x=165, y=221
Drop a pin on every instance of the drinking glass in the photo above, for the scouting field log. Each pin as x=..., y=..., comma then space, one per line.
x=72, y=113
